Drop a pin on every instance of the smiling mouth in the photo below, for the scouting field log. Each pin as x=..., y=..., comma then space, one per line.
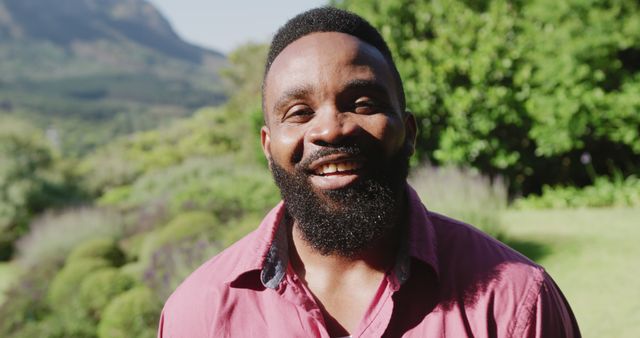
x=341, y=168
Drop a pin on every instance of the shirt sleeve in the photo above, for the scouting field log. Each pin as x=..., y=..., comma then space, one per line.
x=551, y=315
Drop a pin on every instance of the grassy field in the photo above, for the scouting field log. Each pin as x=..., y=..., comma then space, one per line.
x=594, y=256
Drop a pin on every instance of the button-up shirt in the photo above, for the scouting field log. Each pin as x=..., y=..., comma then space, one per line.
x=449, y=280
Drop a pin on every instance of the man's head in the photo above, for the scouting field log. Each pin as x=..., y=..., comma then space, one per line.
x=336, y=133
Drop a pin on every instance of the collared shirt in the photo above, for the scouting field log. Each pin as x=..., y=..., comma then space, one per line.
x=449, y=280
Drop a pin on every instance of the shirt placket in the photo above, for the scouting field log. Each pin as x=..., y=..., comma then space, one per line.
x=309, y=312
x=378, y=315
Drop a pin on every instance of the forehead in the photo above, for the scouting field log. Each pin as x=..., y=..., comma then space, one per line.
x=324, y=59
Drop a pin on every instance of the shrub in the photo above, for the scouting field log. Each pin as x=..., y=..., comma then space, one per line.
x=54, y=235
x=100, y=287
x=186, y=226
x=172, y=263
x=223, y=186
x=521, y=89
x=230, y=193
x=463, y=194
x=26, y=299
x=603, y=193
x=64, y=285
x=49, y=327
x=106, y=248
x=133, y=313
x=32, y=179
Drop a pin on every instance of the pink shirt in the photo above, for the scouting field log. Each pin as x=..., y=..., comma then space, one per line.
x=450, y=280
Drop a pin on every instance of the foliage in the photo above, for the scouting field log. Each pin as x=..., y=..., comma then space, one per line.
x=463, y=194
x=92, y=73
x=172, y=263
x=603, y=193
x=131, y=314
x=103, y=247
x=31, y=180
x=54, y=235
x=65, y=284
x=101, y=287
x=26, y=300
x=521, y=89
x=185, y=226
x=223, y=185
x=209, y=133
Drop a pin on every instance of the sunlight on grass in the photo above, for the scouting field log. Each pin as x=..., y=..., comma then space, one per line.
x=593, y=256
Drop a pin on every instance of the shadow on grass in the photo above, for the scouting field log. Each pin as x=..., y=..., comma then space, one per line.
x=535, y=251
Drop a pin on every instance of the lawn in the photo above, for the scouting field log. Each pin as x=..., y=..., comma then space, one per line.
x=594, y=256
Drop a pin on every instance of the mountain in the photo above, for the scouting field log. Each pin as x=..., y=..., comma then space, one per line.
x=89, y=70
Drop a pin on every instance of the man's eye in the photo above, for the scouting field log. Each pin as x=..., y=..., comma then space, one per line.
x=367, y=107
x=298, y=114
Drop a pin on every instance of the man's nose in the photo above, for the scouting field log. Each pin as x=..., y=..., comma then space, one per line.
x=331, y=127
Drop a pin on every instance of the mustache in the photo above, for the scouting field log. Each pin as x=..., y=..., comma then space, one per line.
x=349, y=150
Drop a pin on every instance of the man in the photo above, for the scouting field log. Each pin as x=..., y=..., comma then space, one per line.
x=352, y=251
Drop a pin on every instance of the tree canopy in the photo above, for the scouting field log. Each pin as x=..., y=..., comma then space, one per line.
x=539, y=92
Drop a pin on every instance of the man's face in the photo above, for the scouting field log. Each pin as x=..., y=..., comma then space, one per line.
x=335, y=135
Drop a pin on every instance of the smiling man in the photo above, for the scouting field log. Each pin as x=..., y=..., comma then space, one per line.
x=351, y=250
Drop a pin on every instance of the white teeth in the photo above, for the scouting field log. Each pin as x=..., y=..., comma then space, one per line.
x=337, y=167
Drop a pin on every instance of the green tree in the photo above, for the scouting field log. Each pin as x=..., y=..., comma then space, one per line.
x=32, y=179
x=540, y=92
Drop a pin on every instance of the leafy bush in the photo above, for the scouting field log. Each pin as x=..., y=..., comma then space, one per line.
x=521, y=89
x=105, y=248
x=222, y=185
x=64, y=285
x=210, y=132
x=48, y=327
x=603, y=193
x=172, y=263
x=186, y=226
x=134, y=313
x=230, y=193
x=54, y=235
x=463, y=194
x=101, y=287
x=32, y=179
x=26, y=300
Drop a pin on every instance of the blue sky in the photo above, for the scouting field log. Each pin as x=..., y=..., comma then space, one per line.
x=223, y=25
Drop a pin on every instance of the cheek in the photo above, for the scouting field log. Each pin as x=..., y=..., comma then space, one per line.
x=389, y=131
x=286, y=146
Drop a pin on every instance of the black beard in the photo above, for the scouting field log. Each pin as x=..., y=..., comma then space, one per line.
x=346, y=221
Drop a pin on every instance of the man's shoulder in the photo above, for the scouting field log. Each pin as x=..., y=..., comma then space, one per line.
x=214, y=276
x=491, y=280
x=191, y=307
x=468, y=255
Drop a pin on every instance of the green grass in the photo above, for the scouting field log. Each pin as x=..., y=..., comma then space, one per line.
x=7, y=274
x=593, y=255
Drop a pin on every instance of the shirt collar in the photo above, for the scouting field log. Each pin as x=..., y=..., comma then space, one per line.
x=271, y=254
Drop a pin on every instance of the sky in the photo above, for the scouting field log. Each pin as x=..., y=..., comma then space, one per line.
x=223, y=25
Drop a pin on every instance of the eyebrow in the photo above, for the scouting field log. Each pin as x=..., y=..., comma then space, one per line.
x=291, y=94
x=305, y=90
x=365, y=84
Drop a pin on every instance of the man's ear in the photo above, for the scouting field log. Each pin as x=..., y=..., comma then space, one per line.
x=411, y=132
x=265, y=139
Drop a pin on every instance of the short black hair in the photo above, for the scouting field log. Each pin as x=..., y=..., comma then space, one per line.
x=330, y=19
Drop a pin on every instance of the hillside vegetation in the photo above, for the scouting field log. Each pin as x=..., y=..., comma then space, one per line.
x=90, y=70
